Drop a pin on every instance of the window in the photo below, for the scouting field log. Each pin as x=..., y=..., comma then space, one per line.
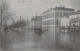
x=48, y=15
x=57, y=14
x=64, y=14
x=61, y=14
x=78, y=23
x=67, y=14
x=58, y=21
x=48, y=22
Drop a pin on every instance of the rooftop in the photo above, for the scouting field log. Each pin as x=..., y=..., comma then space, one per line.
x=38, y=18
x=59, y=8
x=63, y=8
x=75, y=13
x=33, y=19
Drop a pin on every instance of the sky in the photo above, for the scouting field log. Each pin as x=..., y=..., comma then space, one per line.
x=29, y=8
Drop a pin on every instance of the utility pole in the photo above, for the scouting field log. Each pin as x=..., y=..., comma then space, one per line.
x=20, y=21
x=27, y=24
x=20, y=18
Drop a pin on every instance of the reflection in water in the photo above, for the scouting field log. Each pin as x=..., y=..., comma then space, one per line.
x=27, y=41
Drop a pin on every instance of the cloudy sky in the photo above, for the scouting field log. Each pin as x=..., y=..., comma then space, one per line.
x=29, y=8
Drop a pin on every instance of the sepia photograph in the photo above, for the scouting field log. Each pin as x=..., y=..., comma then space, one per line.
x=39, y=25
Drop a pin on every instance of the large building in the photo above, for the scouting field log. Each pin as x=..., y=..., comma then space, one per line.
x=75, y=19
x=31, y=24
x=74, y=30
x=52, y=18
x=38, y=22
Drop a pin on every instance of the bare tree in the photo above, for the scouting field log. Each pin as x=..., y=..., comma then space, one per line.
x=5, y=12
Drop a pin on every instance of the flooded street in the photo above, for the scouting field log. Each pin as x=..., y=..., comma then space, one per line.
x=26, y=42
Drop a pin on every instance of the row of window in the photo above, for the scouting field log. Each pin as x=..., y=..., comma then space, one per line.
x=64, y=23
x=48, y=22
x=59, y=22
x=75, y=24
x=62, y=14
x=48, y=28
x=51, y=22
x=58, y=14
x=50, y=15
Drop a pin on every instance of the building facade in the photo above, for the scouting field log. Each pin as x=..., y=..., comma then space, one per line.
x=54, y=18
x=38, y=22
x=74, y=30
x=75, y=19
x=31, y=24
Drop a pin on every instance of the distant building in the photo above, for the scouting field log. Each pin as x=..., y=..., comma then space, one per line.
x=75, y=19
x=74, y=30
x=19, y=26
x=70, y=29
x=31, y=24
x=38, y=22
